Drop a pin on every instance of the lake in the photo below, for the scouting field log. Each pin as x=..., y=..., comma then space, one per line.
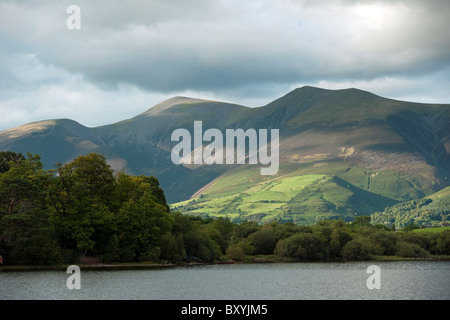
x=403, y=280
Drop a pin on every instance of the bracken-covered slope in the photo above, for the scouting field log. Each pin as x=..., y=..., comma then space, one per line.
x=342, y=153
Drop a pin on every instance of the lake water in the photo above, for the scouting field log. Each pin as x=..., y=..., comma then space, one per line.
x=422, y=280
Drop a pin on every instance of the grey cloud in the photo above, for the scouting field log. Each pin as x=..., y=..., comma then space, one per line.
x=175, y=45
x=229, y=49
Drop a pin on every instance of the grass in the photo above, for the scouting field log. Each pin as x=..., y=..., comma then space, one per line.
x=302, y=196
x=431, y=210
x=431, y=230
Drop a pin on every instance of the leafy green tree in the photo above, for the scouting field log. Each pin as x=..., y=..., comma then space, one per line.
x=198, y=244
x=288, y=229
x=25, y=234
x=244, y=229
x=8, y=157
x=307, y=246
x=81, y=200
x=338, y=239
x=235, y=253
x=385, y=240
x=361, y=221
x=246, y=246
x=140, y=225
x=134, y=187
x=410, y=227
x=411, y=250
x=263, y=241
x=223, y=228
x=443, y=242
x=281, y=248
x=172, y=247
x=422, y=240
x=355, y=250
x=181, y=223
x=112, y=250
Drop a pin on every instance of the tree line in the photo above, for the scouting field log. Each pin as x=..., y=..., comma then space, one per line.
x=84, y=208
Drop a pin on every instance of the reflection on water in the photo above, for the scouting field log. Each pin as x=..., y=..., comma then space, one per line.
x=289, y=281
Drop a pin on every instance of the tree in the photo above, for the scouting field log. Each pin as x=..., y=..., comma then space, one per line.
x=243, y=230
x=410, y=250
x=443, y=242
x=410, y=227
x=338, y=239
x=81, y=200
x=220, y=230
x=281, y=248
x=134, y=187
x=235, y=253
x=263, y=241
x=361, y=221
x=140, y=225
x=385, y=240
x=172, y=247
x=306, y=246
x=8, y=157
x=197, y=244
x=355, y=250
x=25, y=234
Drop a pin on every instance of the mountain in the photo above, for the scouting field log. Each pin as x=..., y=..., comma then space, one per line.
x=430, y=210
x=342, y=153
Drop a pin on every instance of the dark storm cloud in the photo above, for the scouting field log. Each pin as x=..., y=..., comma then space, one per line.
x=211, y=45
x=228, y=49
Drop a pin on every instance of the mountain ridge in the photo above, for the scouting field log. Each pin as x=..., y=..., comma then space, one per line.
x=390, y=148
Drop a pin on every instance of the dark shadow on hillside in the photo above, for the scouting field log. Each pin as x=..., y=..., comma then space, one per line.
x=365, y=202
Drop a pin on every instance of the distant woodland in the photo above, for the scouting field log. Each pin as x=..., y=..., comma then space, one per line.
x=80, y=208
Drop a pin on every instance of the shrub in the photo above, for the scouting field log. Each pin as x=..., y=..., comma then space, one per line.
x=305, y=246
x=263, y=241
x=385, y=240
x=171, y=247
x=355, y=250
x=246, y=246
x=235, y=252
x=199, y=245
x=411, y=250
x=443, y=242
x=281, y=248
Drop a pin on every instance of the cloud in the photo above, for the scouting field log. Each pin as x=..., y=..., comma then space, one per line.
x=244, y=52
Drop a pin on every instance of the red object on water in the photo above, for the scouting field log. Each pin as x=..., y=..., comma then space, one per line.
x=225, y=262
x=1, y=260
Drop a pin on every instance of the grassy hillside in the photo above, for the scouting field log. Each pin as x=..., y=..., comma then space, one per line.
x=303, y=196
x=431, y=210
x=342, y=153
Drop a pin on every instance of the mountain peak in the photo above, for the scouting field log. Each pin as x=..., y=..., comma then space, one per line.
x=169, y=103
x=312, y=89
x=27, y=129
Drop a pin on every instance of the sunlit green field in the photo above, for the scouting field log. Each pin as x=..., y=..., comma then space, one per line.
x=431, y=230
x=277, y=199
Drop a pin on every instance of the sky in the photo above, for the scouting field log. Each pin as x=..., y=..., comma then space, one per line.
x=127, y=56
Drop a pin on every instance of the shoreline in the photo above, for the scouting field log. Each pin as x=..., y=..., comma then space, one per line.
x=155, y=265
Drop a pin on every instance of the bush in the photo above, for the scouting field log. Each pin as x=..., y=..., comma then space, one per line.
x=385, y=240
x=304, y=246
x=420, y=239
x=411, y=250
x=171, y=247
x=443, y=242
x=281, y=248
x=355, y=250
x=199, y=245
x=152, y=255
x=246, y=246
x=263, y=241
x=235, y=253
